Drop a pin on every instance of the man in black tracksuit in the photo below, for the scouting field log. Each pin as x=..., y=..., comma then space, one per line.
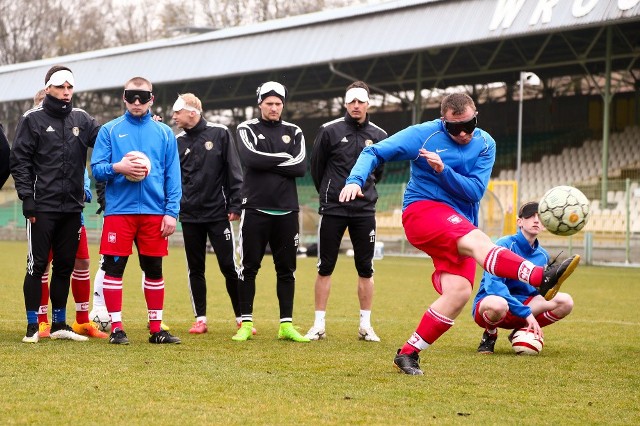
x=272, y=153
x=48, y=161
x=335, y=151
x=211, y=184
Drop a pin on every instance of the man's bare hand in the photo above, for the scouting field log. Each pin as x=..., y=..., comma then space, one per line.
x=433, y=160
x=168, y=226
x=350, y=192
x=130, y=168
x=533, y=326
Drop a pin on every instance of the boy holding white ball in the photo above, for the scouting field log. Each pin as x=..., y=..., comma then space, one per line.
x=511, y=304
x=142, y=203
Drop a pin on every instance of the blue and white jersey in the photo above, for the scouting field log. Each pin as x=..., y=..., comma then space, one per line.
x=513, y=291
x=160, y=192
x=467, y=168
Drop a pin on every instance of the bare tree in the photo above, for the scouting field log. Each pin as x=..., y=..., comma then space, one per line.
x=137, y=22
x=178, y=15
x=36, y=29
x=233, y=13
x=223, y=13
x=86, y=30
x=24, y=32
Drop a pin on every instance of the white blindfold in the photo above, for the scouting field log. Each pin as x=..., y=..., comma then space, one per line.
x=271, y=86
x=58, y=78
x=356, y=93
x=180, y=104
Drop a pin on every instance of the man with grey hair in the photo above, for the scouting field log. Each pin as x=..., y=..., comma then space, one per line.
x=211, y=184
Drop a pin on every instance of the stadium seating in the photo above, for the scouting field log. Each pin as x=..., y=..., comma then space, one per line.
x=579, y=166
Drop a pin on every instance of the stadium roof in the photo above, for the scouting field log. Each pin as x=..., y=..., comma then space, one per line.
x=395, y=46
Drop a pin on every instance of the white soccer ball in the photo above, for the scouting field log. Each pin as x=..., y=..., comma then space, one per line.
x=564, y=210
x=102, y=319
x=140, y=158
x=525, y=342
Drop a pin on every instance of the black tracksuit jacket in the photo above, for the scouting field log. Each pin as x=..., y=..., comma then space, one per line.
x=211, y=173
x=335, y=151
x=49, y=156
x=272, y=155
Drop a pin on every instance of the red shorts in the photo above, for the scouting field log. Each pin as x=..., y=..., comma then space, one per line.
x=83, y=246
x=510, y=321
x=120, y=231
x=435, y=228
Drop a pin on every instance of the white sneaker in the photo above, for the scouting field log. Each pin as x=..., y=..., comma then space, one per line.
x=316, y=333
x=368, y=334
x=67, y=333
x=32, y=339
x=32, y=335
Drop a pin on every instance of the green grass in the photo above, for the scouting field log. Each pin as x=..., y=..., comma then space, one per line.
x=587, y=373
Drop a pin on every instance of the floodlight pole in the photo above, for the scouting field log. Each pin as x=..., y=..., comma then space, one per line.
x=519, y=150
x=606, y=120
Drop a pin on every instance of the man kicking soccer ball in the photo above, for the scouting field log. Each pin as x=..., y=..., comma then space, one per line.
x=451, y=162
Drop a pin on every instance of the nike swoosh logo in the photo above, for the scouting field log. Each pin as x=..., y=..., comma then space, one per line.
x=438, y=151
x=122, y=135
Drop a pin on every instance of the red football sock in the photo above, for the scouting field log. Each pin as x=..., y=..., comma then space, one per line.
x=547, y=318
x=44, y=299
x=506, y=264
x=154, y=295
x=490, y=325
x=81, y=289
x=431, y=327
x=112, y=291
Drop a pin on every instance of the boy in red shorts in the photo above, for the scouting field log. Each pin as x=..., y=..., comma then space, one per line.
x=142, y=203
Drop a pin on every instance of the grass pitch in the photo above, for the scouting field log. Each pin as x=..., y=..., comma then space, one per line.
x=587, y=373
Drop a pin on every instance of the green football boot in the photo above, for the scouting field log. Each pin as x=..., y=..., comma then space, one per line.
x=245, y=332
x=287, y=332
